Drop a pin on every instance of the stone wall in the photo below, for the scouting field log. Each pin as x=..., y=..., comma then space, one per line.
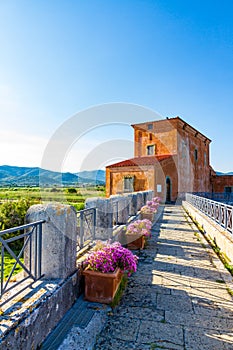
x=29, y=327
x=116, y=210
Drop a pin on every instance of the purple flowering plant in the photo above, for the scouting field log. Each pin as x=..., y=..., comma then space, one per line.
x=140, y=227
x=151, y=206
x=108, y=256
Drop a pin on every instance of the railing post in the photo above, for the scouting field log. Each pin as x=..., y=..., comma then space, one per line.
x=232, y=220
x=225, y=216
x=59, y=238
x=94, y=222
x=220, y=215
x=39, y=254
x=81, y=229
x=2, y=268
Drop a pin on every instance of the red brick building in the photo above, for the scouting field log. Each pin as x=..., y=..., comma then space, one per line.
x=170, y=158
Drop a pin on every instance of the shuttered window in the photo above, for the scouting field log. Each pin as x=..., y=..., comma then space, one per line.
x=129, y=184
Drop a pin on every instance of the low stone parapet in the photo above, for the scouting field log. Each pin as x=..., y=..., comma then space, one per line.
x=214, y=232
x=27, y=320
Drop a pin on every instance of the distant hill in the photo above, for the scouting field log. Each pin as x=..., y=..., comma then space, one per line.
x=219, y=173
x=98, y=175
x=35, y=176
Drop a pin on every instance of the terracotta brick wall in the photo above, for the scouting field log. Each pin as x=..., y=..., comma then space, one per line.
x=188, y=168
x=143, y=179
x=220, y=182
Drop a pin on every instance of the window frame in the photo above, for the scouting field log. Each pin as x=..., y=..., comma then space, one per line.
x=128, y=183
x=153, y=148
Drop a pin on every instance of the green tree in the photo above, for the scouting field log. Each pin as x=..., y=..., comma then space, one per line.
x=12, y=214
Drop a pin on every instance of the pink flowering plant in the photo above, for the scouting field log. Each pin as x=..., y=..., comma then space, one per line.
x=108, y=256
x=140, y=227
x=151, y=206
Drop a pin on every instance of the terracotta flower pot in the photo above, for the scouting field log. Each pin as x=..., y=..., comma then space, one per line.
x=101, y=287
x=149, y=216
x=135, y=241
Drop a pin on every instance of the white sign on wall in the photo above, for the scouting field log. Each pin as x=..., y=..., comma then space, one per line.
x=159, y=188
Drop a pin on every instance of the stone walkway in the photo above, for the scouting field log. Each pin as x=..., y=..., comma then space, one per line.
x=176, y=300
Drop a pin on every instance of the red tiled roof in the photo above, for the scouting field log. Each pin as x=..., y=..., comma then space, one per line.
x=147, y=160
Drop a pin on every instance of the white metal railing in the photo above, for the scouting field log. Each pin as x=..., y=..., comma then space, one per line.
x=221, y=213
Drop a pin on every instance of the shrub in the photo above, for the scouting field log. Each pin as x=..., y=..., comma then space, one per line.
x=71, y=190
x=12, y=214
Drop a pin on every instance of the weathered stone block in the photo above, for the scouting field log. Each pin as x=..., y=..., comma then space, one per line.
x=59, y=238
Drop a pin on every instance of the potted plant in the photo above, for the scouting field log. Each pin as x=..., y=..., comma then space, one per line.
x=104, y=268
x=148, y=210
x=137, y=232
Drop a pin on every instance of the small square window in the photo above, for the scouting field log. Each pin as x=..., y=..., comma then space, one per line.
x=151, y=150
x=149, y=126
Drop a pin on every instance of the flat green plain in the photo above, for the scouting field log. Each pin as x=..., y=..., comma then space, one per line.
x=70, y=195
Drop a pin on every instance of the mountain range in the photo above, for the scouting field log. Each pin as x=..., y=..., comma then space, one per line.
x=219, y=173
x=35, y=176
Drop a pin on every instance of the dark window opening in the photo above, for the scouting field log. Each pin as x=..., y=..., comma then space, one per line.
x=168, y=190
x=150, y=150
x=150, y=137
x=150, y=126
x=228, y=189
x=195, y=155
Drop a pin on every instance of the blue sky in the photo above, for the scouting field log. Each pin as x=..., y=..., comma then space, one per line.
x=58, y=58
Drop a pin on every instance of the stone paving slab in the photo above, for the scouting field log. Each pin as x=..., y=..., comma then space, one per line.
x=176, y=300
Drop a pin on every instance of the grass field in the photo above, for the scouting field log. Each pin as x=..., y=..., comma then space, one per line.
x=72, y=196
x=8, y=265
